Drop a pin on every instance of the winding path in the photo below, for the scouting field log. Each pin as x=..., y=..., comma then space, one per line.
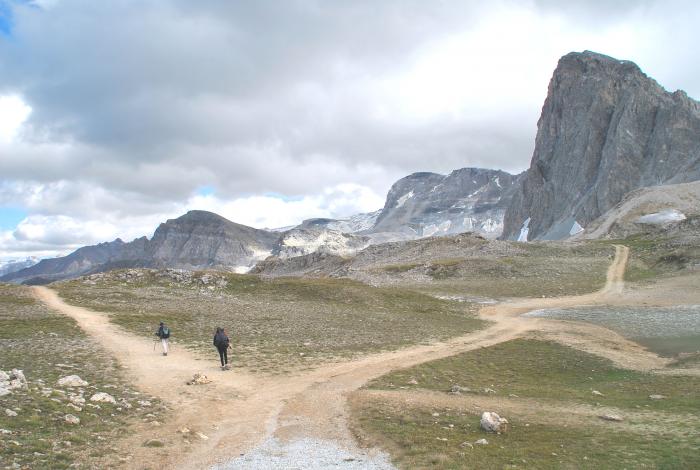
x=238, y=410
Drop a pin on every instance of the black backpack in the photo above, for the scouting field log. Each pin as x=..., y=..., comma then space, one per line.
x=165, y=333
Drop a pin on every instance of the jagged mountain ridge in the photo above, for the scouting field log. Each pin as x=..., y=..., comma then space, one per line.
x=605, y=129
x=198, y=239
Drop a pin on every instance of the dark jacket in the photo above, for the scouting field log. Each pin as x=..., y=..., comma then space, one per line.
x=221, y=341
x=161, y=333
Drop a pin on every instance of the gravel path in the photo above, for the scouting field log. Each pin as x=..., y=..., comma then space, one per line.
x=313, y=454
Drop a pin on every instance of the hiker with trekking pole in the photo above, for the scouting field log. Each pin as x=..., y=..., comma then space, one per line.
x=164, y=334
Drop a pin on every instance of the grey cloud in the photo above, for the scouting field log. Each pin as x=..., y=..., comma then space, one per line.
x=152, y=100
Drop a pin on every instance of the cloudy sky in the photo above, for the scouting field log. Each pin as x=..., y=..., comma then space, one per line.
x=117, y=115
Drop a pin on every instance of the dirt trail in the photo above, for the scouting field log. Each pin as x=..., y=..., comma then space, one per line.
x=249, y=408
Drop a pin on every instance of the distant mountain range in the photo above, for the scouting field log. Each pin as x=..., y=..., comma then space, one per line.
x=606, y=130
x=12, y=266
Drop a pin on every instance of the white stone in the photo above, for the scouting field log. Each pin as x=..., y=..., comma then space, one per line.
x=10, y=413
x=611, y=417
x=491, y=422
x=71, y=381
x=71, y=419
x=481, y=442
x=103, y=397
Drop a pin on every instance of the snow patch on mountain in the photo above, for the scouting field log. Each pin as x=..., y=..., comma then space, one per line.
x=402, y=200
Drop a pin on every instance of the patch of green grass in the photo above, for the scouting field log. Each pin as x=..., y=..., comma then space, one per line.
x=279, y=324
x=400, y=268
x=416, y=438
x=549, y=371
x=47, y=346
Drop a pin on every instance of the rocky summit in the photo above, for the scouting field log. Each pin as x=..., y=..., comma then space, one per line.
x=605, y=129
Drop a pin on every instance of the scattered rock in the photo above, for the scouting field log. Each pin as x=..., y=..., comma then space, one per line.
x=78, y=401
x=154, y=443
x=14, y=380
x=10, y=413
x=202, y=436
x=103, y=397
x=611, y=417
x=466, y=445
x=199, y=379
x=657, y=397
x=481, y=442
x=489, y=390
x=491, y=422
x=71, y=381
x=71, y=419
x=5, y=431
x=184, y=430
x=413, y=381
x=597, y=393
x=458, y=390
x=144, y=403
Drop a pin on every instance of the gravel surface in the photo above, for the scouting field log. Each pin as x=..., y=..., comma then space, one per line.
x=307, y=454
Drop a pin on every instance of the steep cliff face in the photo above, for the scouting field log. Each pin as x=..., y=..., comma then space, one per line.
x=426, y=204
x=605, y=130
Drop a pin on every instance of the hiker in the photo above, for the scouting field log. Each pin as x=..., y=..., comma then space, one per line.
x=163, y=333
x=222, y=344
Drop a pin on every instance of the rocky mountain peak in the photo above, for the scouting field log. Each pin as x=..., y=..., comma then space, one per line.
x=605, y=130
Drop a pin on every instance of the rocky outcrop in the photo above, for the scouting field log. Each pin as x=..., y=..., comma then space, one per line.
x=605, y=129
x=428, y=204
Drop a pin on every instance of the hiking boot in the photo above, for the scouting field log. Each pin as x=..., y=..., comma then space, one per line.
x=165, y=354
x=227, y=367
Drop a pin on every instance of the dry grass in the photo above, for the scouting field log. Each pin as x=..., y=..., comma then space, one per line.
x=276, y=325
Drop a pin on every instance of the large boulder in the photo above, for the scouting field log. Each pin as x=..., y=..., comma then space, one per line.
x=491, y=422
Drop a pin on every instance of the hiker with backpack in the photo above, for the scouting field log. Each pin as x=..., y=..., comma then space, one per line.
x=222, y=344
x=164, y=334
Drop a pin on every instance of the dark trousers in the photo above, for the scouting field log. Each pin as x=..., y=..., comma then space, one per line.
x=223, y=355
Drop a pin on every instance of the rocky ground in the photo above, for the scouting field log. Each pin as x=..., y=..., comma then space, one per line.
x=464, y=265
x=63, y=399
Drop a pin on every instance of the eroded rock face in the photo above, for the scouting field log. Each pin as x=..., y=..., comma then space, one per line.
x=427, y=204
x=605, y=130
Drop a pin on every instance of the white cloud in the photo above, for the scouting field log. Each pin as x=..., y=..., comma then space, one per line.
x=13, y=113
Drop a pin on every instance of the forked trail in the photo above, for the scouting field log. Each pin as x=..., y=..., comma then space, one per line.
x=238, y=410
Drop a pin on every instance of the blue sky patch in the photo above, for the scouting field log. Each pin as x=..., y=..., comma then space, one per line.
x=205, y=190
x=5, y=18
x=10, y=217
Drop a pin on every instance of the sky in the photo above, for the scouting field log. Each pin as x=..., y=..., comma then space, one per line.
x=115, y=116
